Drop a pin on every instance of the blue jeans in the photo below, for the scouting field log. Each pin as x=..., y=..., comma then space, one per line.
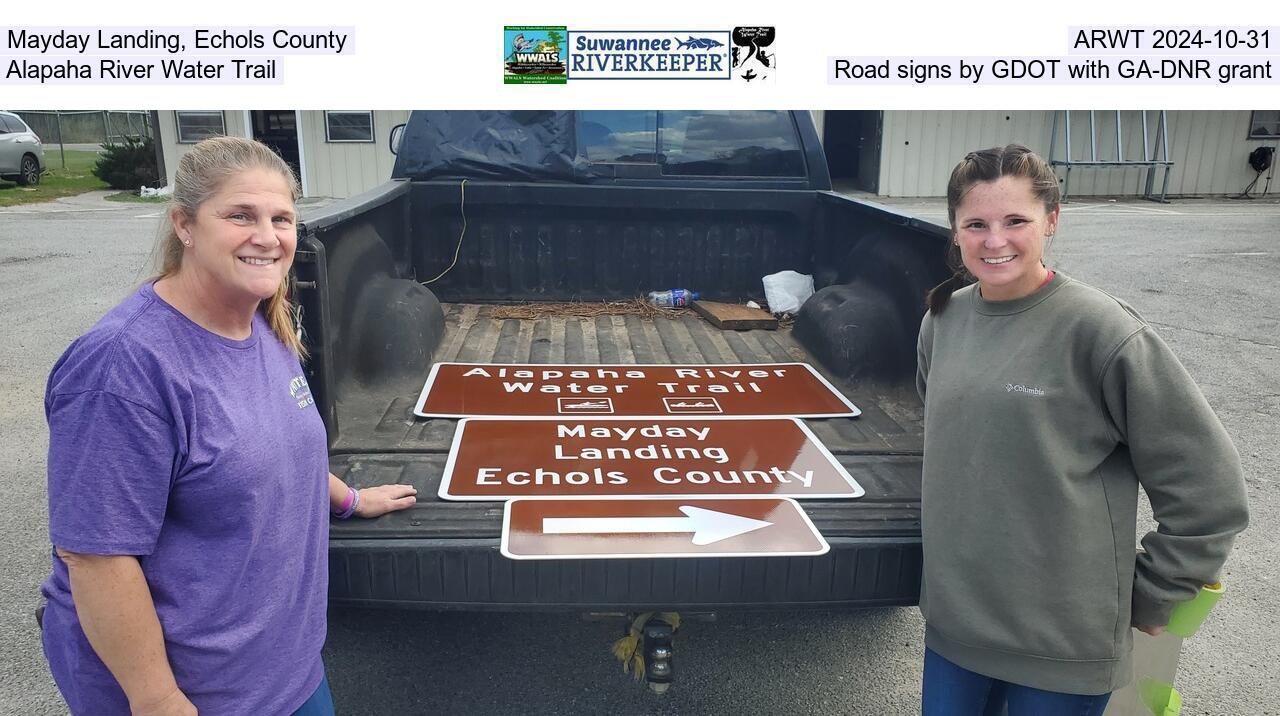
x=950, y=690
x=320, y=703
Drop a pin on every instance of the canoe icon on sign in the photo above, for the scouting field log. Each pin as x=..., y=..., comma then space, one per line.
x=693, y=404
x=588, y=406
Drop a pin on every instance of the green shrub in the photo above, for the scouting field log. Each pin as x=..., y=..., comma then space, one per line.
x=128, y=165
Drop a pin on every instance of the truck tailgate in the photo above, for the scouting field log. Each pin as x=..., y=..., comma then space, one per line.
x=875, y=539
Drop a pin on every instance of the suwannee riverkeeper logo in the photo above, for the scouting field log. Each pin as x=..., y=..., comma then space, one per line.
x=554, y=54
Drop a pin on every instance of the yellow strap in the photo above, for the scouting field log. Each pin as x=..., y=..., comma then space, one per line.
x=627, y=649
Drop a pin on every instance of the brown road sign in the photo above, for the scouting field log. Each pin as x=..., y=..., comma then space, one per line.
x=657, y=527
x=500, y=459
x=459, y=390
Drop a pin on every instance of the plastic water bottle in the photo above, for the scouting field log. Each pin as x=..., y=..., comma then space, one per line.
x=675, y=298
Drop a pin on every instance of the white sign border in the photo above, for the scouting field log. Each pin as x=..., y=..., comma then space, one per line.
x=504, y=546
x=446, y=479
x=854, y=411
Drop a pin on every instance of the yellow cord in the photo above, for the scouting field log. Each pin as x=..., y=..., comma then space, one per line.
x=462, y=207
x=627, y=649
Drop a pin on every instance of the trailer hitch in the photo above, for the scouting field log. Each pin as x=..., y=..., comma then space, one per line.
x=647, y=648
x=659, y=646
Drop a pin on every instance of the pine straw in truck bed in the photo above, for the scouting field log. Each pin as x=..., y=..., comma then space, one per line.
x=634, y=307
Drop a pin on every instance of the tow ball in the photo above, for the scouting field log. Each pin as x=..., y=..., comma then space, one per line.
x=647, y=648
x=659, y=655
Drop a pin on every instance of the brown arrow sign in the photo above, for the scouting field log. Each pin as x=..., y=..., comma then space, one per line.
x=499, y=459
x=658, y=527
x=459, y=390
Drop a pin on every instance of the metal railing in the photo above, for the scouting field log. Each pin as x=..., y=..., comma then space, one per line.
x=1153, y=158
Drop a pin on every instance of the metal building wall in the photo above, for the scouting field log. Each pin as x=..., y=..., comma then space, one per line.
x=332, y=169
x=1209, y=149
x=233, y=122
x=346, y=168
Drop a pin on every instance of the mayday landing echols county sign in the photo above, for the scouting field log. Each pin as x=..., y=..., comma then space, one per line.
x=657, y=527
x=495, y=459
x=458, y=390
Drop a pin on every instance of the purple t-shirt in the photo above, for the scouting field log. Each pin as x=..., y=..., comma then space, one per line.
x=206, y=458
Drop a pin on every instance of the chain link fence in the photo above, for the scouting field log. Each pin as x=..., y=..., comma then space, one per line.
x=96, y=127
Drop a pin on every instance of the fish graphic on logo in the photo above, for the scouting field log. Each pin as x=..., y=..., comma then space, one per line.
x=519, y=44
x=698, y=43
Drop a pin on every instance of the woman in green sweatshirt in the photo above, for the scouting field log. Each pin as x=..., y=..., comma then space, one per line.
x=1047, y=403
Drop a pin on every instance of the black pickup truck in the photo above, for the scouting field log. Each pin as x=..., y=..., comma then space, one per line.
x=489, y=208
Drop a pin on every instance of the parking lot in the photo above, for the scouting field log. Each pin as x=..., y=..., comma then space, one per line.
x=1203, y=272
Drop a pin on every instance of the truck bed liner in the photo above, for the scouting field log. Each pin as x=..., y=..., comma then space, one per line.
x=540, y=225
x=444, y=555
x=384, y=442
x=375, y=424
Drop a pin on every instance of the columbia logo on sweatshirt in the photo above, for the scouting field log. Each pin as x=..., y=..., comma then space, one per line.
x=1029, y=390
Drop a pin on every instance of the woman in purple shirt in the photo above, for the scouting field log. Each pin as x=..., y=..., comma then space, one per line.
x=188, y=471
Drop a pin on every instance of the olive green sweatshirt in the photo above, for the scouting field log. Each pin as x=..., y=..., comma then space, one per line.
x=1042, y=417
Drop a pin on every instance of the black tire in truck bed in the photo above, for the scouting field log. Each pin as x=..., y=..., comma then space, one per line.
x=445, y=554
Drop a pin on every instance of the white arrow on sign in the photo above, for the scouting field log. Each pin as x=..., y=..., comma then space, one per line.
x=707, y=526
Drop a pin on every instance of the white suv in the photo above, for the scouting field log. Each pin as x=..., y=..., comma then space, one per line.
x=21, y=154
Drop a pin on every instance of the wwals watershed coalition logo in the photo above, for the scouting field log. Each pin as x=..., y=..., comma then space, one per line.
x=534, y=55
x=543, y=54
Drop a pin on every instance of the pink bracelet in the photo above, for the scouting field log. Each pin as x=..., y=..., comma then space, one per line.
x=349, y=505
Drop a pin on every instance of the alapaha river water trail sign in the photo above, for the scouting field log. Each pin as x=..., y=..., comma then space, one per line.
x=459, y=390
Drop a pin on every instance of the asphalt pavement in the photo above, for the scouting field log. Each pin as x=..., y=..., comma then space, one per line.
x=1201, y=271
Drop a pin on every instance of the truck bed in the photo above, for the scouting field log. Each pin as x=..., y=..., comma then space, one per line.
x=875, y=540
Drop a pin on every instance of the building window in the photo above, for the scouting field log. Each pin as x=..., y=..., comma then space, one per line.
x=195, y=126
x=348, y=126
x=1264, y=124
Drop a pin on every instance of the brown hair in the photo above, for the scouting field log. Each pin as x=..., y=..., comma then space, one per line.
x=200, y=173
x=988, y=165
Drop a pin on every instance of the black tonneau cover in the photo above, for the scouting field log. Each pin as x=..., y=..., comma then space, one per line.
x=533, y=145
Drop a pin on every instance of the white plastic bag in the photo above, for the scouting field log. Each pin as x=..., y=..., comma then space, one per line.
x=147, y=191
x=786, y=291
